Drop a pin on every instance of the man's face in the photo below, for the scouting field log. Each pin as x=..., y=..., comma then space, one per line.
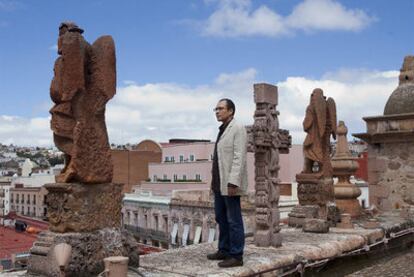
x=222, y=113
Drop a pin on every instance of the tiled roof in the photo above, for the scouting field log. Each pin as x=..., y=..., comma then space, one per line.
x=13, y=242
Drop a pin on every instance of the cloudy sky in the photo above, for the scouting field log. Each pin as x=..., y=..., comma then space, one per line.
x=175, y=59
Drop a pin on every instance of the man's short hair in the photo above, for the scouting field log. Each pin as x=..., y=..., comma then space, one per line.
x=229, y=104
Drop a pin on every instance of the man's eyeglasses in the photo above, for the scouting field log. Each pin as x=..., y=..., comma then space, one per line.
x=218, y=109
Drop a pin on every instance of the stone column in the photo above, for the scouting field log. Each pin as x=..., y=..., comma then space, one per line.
x=344, y=165
x=266, y=140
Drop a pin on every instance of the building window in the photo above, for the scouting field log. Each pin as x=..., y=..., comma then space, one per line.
x=165, y=223
x=174, y=234
x=17, y=198
x=186, y=232
x=191, y=158
x=145, y=221
x=136, y=218
x=197, y=235
x=198, y=177
x=22, y=201
x=34, y=199
x=172, y=159
x=155, y=178
x=164, y=177
x=28, y=199
x=12, y=198
x=184, y=177
x=175, y=177
x=181, y=158
x=211, y=235
x=156, y=222
x=167, y=159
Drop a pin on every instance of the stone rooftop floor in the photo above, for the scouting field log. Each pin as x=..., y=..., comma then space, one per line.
x=299, y=249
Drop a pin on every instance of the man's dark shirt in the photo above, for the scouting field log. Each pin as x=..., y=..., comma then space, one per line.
x=215, y=181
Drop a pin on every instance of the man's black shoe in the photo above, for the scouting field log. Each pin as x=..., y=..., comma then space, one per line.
x=217, y=256
x=231, y=262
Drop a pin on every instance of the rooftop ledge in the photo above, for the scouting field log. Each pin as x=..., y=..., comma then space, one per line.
x=298, y=249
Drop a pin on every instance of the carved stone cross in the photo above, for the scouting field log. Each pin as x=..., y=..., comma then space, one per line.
x=266, y=140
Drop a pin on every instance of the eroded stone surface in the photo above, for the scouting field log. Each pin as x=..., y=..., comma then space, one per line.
x=74, y=207
x=315, y=225
x=88, y=251
x=84, y=81
x=297, y=247
x=266, y=140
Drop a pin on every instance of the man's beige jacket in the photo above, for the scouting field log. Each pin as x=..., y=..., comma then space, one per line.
x=232, y=158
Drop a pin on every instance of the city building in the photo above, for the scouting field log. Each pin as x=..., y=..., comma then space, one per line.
x=28, y=201
x=186, y=164
x=173, y=207
x=5, y=185
x=131, y=165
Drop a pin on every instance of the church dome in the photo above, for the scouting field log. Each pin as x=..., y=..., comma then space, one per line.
x=402, y=99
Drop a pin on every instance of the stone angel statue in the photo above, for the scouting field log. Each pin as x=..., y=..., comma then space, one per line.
x=319, y=124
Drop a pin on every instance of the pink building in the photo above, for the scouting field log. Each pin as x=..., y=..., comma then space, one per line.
x=186, y=164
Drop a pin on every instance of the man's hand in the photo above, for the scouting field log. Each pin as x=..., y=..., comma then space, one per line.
x=231, y=189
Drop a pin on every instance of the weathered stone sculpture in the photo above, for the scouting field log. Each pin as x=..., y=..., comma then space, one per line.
x=84, y=206
x=319, y=124
x=344, y=165
x=315, y=183
x=84, y=80
x=266, y=140
x=390, y=139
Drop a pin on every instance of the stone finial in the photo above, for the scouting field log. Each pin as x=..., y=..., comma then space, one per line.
x=84, y=81
x=344, y=165
x=342, y=149
x=407, y=71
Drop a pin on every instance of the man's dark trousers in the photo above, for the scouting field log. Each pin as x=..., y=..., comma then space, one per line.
x=229, y=219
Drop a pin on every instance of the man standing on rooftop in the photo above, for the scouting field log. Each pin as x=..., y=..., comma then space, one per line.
x=229, y=182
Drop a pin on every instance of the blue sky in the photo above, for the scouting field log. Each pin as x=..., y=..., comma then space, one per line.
x=176, y=58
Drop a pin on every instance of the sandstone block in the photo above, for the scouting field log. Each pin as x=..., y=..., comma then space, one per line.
x=314, y=225
x=74, y=207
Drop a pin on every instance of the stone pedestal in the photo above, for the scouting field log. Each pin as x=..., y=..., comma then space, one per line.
x=316, y=195
x=87, y=217
x=75, y=207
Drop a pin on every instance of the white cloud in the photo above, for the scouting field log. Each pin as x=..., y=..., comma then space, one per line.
x=25, y=131
x=236, y=18
x=327, y=15
x=357, y=93
x=53, y=47
x=161, y=111
x=10, y=5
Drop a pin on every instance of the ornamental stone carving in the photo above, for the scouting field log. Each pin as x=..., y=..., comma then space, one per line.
x=84, y=80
